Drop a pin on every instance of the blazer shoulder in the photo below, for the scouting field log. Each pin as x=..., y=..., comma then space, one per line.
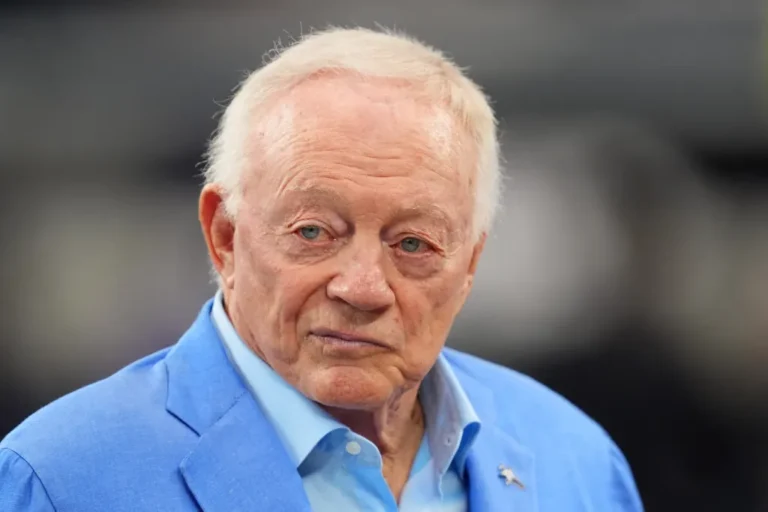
x=564, y=439
x=522, y=400
x=96, y=419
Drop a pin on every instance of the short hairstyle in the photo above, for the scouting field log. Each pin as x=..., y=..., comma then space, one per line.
x=367, y=53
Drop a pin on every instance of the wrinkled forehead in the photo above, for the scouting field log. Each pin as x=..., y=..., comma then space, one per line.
x=382, y=113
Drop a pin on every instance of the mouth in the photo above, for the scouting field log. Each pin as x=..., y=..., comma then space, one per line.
x=346, y=339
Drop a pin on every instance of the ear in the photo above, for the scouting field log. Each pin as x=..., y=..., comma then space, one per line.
x=477, y=250
x=218, y=231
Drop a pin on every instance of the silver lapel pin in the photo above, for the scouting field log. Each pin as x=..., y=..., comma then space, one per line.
x=509, y=476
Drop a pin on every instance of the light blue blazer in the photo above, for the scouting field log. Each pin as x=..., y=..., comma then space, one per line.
x=179, y=431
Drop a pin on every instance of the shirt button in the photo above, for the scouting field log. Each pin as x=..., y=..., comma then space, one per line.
x=353, y=448
x=449, y=440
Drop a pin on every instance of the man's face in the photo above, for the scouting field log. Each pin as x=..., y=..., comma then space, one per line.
x=352, y=250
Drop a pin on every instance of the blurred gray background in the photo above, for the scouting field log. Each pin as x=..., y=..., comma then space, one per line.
x=628, y=269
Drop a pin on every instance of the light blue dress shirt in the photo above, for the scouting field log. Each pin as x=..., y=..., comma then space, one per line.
x=341, y=470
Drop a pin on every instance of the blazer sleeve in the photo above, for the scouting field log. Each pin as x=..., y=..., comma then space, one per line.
x=624, y=492
x=20, y=487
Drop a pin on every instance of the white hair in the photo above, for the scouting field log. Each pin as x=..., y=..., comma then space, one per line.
x=367, y=53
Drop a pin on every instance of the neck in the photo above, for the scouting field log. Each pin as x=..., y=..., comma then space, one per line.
x=388, y=427
x=396, y=429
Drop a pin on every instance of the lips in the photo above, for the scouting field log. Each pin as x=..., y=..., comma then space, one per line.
x=348, y=337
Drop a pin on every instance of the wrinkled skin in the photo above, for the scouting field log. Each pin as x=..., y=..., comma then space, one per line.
x=351, y=252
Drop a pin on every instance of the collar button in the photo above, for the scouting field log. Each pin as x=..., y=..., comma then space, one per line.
x=353, y=448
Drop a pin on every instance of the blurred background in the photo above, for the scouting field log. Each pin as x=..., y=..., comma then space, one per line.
x=628, y=269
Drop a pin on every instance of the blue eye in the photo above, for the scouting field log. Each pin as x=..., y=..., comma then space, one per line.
x=310, y=232
x=411, y=244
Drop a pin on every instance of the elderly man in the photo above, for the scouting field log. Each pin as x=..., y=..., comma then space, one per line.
x=349, y=191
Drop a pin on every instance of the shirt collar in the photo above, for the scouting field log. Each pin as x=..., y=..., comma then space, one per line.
x=299, y=422
x=451, y=421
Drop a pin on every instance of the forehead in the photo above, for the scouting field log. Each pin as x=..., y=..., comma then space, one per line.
x=380, y=133
x=372, y=107
x=376, y=111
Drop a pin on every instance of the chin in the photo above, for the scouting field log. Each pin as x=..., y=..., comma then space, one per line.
x=349, y=387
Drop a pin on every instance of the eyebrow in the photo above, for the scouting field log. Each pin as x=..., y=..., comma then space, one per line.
x=325, y=196
x=424, y=210
x=316, y=196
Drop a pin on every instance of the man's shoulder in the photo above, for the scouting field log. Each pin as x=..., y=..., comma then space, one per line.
x=122, y=412
x=564, y=440
x=532, y=409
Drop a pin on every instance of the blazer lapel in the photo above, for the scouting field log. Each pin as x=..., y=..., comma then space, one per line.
x=494, y=447
x=488, y=490
x=239, y=463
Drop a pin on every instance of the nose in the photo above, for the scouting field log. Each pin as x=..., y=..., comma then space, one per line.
x=362, y=283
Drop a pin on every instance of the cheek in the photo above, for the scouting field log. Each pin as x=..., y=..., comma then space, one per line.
x=255, y=270
x=447, y=295
x=277, y=289
x=428, y=310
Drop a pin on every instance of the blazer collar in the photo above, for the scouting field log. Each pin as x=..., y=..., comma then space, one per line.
x=495, y=446
x=239, y=462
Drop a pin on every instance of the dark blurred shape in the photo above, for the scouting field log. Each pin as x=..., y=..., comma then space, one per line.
x=685, y=456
